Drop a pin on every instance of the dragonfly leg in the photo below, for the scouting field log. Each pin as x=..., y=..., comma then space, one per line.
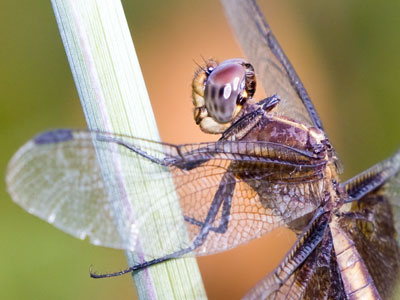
x=223, y=225
x=223, y=197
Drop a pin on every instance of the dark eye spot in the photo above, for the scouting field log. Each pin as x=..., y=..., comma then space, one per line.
x=220, y=93
x=213, y=92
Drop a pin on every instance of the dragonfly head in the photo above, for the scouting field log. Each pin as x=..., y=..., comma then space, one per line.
x=219, y=92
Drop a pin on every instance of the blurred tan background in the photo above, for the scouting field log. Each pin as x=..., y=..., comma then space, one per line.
x=347, y=54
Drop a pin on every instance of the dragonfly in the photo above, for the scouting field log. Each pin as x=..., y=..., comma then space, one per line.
x=273, y=166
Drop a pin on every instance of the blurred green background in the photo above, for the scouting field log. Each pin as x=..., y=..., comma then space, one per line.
x=347, y=54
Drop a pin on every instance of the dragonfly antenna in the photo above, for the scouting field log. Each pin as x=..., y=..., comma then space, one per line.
x=201, y=67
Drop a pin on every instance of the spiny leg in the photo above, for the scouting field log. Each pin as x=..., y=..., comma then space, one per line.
x=223, y=225
x=223, y=196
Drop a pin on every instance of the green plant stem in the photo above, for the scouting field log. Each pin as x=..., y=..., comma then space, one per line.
x=114, y=98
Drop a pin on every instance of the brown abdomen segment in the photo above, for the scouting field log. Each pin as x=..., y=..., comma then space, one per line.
x=357, y=281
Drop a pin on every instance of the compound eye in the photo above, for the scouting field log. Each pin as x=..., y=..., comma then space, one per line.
x=223, y=91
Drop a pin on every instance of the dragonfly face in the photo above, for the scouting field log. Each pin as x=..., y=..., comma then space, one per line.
x=219, y=91
x=273, y=166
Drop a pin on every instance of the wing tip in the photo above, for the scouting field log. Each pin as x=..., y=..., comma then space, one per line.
x=53, y=136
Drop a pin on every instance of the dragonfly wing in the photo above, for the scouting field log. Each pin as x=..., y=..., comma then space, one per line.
x=56, y=177
x=309, y=271
x=271, y=65
x=373, y=223
x=253, y=214
x=271, y=186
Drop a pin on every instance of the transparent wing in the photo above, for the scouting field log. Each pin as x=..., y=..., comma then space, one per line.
x=56, y=177
x=272, y=67
x=309, y=271
x=61, y=182
x=373, y=223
